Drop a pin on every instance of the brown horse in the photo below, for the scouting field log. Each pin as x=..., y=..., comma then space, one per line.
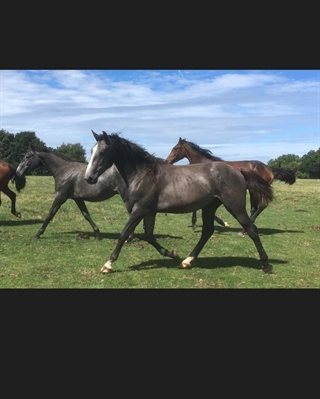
x=7, y=173
x=196, y=154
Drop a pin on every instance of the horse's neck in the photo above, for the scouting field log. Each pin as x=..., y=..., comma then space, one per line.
x=112, y=177
x=52, y=162
x=127, y=174
x=196, y=157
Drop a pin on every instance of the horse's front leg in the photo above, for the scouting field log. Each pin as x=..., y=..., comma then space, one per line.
x=134, y=219
x=208, y=213
x=194, y=220
x=149, y=222
x=53, y=210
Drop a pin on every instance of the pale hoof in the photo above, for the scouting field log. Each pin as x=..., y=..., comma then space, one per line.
x=106, y=268
x=226, y=224
x=186, y=264
x=241, y=234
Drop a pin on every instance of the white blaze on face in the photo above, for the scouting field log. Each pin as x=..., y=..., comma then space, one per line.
x=89, y=167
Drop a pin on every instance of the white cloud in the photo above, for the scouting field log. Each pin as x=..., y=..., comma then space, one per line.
x=245, y=114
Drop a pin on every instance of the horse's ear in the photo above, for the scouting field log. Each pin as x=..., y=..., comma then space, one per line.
x=106, y=137
x=180, y=139
x=96, y=135
x=32, y=147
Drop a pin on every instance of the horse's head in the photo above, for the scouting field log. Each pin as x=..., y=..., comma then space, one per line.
x=29, y=162
x=177, y=153
x=101, y=157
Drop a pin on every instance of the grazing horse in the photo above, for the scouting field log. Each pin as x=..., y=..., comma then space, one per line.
x=156, y=186
x=7, y=173
x=69, y=180
x=196, y=154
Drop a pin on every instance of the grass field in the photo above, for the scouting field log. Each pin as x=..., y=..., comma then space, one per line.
x=68, y=256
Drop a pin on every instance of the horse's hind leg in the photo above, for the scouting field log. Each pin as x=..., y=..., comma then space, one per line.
x=84, y=210
x=221, y=222
x=12, y=195
x=252, y=231
x=254, y=213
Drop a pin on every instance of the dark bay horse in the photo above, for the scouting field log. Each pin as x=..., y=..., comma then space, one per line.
x=196, y=154
x=154, y=185
x=7, y=173
x=69, y=181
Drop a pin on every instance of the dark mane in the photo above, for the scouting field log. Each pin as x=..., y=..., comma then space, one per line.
x=204, y=152
x=138, y=157
x=64, y=157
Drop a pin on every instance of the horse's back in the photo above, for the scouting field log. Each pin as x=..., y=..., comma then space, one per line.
x=256, y=166
x=185, y=188
x=199, y=172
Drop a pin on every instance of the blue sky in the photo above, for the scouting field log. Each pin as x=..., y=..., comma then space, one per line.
x=237, y=114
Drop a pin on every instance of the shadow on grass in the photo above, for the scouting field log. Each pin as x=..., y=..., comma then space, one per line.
x=261, y=231
x=20, y=222
x=115, y=236
x=205, y=263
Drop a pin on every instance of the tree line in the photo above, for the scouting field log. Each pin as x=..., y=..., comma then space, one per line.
x=14, y=146
x=306, y=167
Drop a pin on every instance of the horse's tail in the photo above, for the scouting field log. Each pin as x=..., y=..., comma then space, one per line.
x=261, y=192
x=19, y=181
x=287, y=175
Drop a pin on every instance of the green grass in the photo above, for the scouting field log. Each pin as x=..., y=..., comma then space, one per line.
x=289, y=230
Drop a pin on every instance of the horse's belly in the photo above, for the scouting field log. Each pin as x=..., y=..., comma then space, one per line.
x=184, y=203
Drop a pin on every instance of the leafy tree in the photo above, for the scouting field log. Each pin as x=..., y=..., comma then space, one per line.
x=288, y=161
x=6, y=140
x=22, y=144
x=310, y=164
x=14, y=146
x=75, y=151
x=285, y=161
